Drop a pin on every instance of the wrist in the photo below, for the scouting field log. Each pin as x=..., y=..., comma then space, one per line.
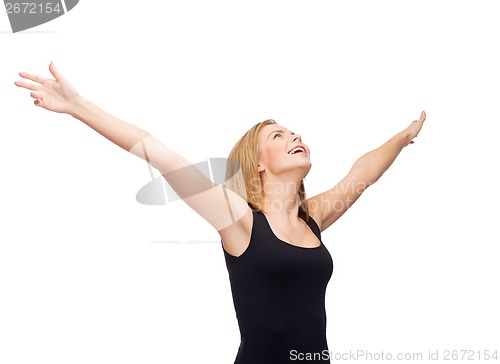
x=406, y=137
x=78, y=107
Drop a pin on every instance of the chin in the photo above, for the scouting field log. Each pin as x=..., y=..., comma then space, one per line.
x=307, y=164
x=306, y=168
x=310, y=165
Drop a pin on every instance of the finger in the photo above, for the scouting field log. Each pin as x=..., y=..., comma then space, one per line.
x=27, y=85
x=36, y=95
x=32, y=77
x=38, y=102
x=422, y=117
x=55, y=72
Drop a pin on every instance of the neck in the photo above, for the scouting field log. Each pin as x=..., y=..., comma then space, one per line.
x=281, y=198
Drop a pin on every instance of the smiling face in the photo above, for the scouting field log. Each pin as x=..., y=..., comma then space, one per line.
x=257, y=154
x=281, y=150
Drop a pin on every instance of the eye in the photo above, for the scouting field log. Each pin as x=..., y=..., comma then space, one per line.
x=275, y=135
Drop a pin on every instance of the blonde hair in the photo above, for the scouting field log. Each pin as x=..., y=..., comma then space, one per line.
x=242, y=175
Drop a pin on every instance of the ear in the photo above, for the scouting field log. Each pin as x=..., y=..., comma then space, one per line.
x=261, y=167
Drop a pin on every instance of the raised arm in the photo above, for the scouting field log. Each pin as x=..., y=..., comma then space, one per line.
x=328, y=206
x=221, y=207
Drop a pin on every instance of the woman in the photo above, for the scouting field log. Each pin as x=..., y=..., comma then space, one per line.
x=270, y=233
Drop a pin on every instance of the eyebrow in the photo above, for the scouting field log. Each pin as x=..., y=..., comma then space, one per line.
x=279, y=130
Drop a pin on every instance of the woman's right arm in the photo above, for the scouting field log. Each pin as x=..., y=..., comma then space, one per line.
x=220, y=207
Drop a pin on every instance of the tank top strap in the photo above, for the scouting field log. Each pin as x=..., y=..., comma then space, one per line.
x=314, y=227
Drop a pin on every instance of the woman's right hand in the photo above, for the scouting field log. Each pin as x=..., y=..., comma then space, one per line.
x=56, y=95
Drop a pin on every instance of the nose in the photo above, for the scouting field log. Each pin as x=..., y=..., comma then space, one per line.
x=295, y=137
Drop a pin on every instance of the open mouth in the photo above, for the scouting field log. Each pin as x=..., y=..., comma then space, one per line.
x=297, y=150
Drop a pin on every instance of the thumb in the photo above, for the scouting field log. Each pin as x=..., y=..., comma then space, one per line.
x=53, y=70
x=422, y=116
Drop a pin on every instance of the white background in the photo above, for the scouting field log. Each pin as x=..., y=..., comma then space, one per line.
x=86, y=274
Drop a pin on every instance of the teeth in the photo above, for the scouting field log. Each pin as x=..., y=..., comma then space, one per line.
x=296, y=149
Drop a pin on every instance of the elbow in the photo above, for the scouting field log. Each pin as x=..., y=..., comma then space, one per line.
x=366, y=182
x=366, y=174
x=371, y=182
x=374, y=178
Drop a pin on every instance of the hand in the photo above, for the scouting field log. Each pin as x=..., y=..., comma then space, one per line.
x=414, y=128
x=55, y=95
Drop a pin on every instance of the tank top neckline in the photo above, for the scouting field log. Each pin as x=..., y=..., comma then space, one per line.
x=290, y=244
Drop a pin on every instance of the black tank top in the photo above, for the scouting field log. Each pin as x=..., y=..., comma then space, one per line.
x=279, y=297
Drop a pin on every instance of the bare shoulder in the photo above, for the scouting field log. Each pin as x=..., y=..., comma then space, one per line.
x=236, y=237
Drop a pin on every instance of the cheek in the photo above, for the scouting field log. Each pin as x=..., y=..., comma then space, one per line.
x=275, y=152
x=278, y=159
x=268, y=155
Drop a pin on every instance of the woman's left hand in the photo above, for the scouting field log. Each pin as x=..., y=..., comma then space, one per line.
x=414, y=128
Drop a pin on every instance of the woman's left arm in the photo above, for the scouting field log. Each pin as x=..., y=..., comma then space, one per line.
x=328, y=206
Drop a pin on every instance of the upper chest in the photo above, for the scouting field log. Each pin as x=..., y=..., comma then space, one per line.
x=300, y=235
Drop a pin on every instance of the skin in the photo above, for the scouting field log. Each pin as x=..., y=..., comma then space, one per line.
x=226, y=211
x=281, y=174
